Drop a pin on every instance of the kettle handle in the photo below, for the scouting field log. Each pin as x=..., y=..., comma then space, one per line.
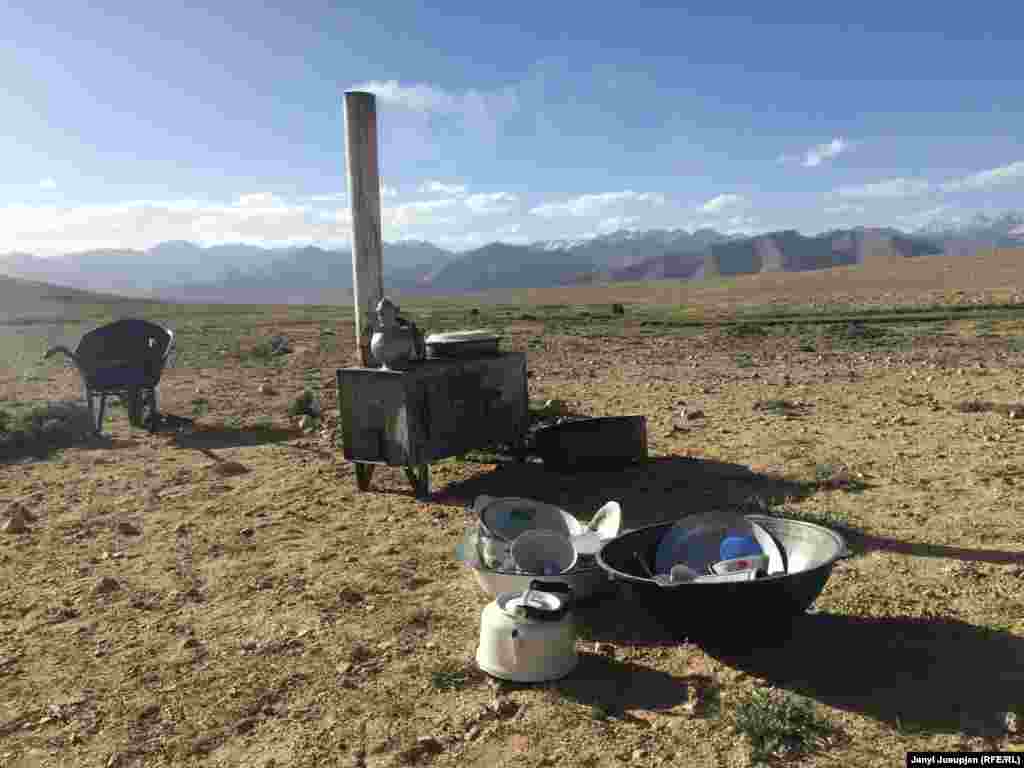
x=555, y=586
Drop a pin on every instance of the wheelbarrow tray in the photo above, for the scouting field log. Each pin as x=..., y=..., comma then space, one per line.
x=124, y=358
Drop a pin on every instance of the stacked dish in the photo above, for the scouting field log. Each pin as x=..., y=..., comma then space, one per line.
x=516, y=540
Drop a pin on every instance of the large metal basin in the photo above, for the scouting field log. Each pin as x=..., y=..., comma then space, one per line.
x=714, y=611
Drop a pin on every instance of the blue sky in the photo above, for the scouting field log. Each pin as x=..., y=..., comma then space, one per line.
x=125, y=124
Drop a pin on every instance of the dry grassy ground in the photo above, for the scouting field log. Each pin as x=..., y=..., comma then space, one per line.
x=228, y=598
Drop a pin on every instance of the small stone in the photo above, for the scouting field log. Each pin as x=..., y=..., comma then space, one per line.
x=106, y=585
x=266, y=389
x=305, y=422
x=639, y=755
x=429, y=745
x=604, y=649
x=246, y=532
x=230, y=468
x=127, y=529
x=19, y=509
x=472, y=733
x=15, y=525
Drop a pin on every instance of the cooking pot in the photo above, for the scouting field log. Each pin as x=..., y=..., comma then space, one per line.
x=529, y=637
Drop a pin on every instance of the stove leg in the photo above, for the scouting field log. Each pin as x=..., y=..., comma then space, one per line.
x=419, y=476
x=364, y=473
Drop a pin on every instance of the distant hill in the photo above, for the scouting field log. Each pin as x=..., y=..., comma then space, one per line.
x=23, y=301
x=980, y=232
x=183, y=271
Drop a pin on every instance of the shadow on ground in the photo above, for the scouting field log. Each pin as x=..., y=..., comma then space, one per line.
x=863, y=542
x=661, y=489
x=919, y=675
x=617, y=687
x=216, y=438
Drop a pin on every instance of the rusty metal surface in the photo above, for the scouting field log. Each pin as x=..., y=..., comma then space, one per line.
x=436, y=409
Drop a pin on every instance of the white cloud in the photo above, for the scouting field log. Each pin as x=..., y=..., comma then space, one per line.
x=818, y=154
x=386, y=193
x=815, y=156
x=722, y=202
x=258, y=200
x=480, y=110
x=1006, y=174
x=845, y=208
x=885, y=190
x=258, y=218
x=593, y=205
x=491, y=202
x=617, y=223
x=334, y=197
x=739, y=225
x=395, y=220
x=440, y=188
x=47, y=184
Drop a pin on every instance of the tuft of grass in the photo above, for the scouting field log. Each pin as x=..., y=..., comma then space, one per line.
x=233, y=422
x=303, y=405
x=200, y=406
x=41, y=429
x=779, y=724
x=262, y=351
x=858, y=335
x=745, y=330
x=780, y=407
x=744, y=360
x=454, y=675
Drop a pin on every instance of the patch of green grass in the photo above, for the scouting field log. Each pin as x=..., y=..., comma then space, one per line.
x=745, y=330
x=744, y=360
x=233, y=422
x=1015, y=343
x=328, y=341
x=833, y=476
x=200, y=406
x=983, y=328
x=858, y=336
x=779, y=407
x=453, y=675
x=264, y=423
x=780, y=725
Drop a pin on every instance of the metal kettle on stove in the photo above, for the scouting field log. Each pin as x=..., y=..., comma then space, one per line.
x=396, y=341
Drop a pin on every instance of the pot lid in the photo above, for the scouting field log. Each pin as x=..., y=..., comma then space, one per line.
x=455, y=337
x=538, y=601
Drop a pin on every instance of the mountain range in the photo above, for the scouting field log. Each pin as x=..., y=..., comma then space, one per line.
x=183, y=271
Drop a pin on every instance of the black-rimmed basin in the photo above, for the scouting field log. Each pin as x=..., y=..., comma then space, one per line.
x=717, y=611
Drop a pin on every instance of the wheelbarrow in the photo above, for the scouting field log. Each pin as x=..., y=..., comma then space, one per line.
x=125, y=359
